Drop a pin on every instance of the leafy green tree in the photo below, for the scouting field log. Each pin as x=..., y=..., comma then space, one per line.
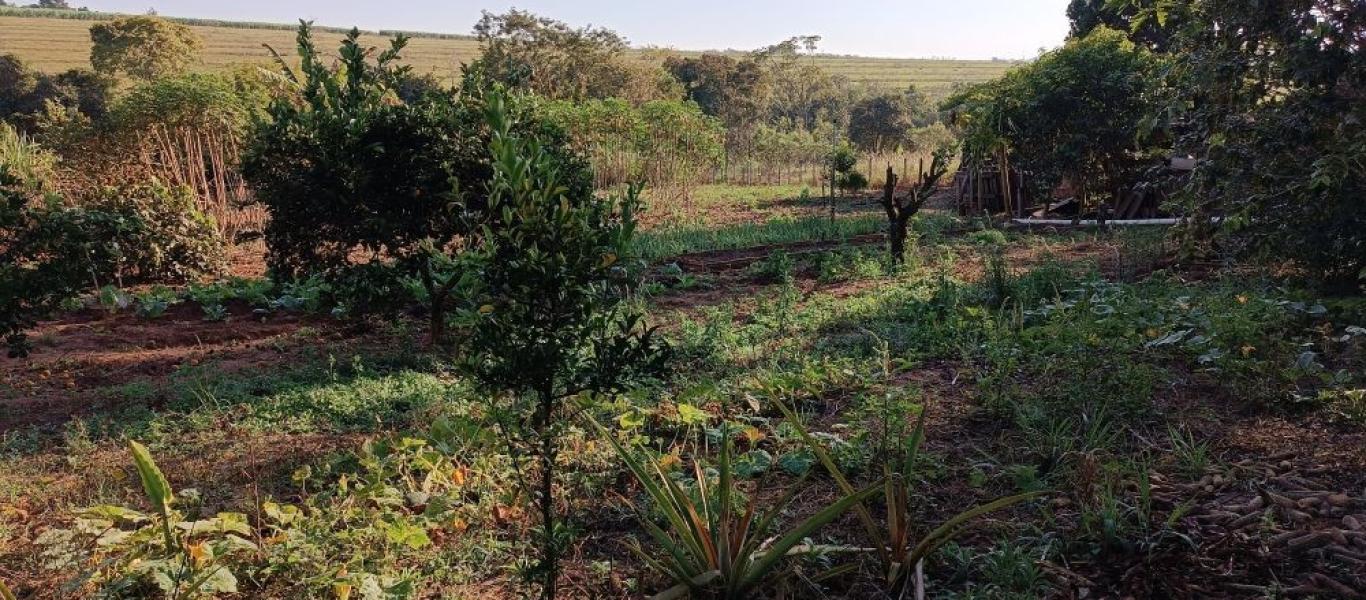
x=886, y=121
x=1270, y=99
x=346, y=168
x=27, y=94
x=1077, y=113
x=803, y=94
x=142, y=47
x=737, y=91
x=523, y=50
x=546, y=316
x=366, y=190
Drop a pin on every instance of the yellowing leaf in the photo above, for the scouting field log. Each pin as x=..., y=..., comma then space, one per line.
x=458, y=476
x=608, y=260
x=753, y=434
x=669, y=461
x=485, y=309
x=199, y=553
x=458, y=525
x=342, y=591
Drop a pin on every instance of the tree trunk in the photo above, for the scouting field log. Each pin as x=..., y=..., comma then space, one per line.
x=896, y=241
x=549, y=552
x=436, y=298
x=438, y=318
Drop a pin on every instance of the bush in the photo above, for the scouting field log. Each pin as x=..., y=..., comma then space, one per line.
x=166, y=237
x=545, y=310
x=47, y=254
x=26, y=94
x=143, y=47
x=51, y=251
x=1075, y=113
x=350, y=170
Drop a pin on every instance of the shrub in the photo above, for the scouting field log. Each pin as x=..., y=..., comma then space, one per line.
x=1074, y=113
x=546, y=321
x=26, y=94
x=50, y=251
x=347, y=169
x=47, y=254
x=166, y=239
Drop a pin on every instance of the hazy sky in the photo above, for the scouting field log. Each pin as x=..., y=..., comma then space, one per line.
x=898, y=28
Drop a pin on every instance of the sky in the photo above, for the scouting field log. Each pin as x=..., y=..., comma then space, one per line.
x=892, y=28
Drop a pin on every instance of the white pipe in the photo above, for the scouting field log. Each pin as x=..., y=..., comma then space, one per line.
x=1093, y=222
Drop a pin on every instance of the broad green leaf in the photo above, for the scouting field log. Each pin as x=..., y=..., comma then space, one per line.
x=153, y=482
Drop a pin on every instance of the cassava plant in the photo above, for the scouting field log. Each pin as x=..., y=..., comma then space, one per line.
x=709, y=546
x=900, y=210
x=545, y=319
x=898, y=547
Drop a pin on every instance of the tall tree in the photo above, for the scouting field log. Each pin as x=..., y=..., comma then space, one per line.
x=523, y=50
x=886, y=120
x=143, y=47
x=1076, y=113
x=733, y=90
x=1270, y=98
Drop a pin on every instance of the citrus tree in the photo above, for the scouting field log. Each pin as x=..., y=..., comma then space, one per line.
x=368, y=190
x=546, y=316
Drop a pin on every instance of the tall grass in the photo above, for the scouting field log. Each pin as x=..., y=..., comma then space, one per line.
x=23, y=159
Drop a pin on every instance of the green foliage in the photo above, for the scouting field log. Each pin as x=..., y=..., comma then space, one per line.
x=143, y=47
x=559, y=62
x=29, y=165
x=28, y=97
x=545, y=318
x=344, y=144
x=1270, y=100
x=1075, y=113
x=123, y=551
x=841, y=162
x=659, y=142
x=1149, y=28
x=711, y=546
x=51, y=252
x=897, y=544
x=200, y=100
x=885, y=122
x=165, y=236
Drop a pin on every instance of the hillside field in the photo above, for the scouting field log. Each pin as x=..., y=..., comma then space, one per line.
x=53, y=44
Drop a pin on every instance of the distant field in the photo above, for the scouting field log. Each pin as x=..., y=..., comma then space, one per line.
x=56, y=44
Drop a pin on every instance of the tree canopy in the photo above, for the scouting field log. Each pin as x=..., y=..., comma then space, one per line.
x=143, y=47
x=1074, y=113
